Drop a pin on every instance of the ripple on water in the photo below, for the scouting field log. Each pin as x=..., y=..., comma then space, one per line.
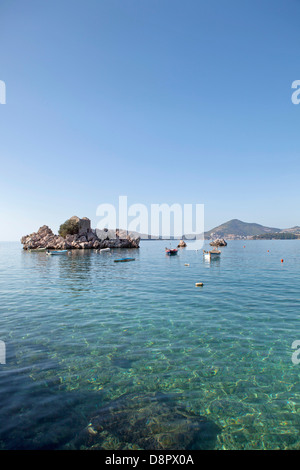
x=82, y=332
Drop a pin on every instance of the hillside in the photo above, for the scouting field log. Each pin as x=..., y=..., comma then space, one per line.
x=237, y=229
x=276, y=236
x=295, y=230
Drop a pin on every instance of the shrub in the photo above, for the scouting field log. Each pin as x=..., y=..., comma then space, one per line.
x=69, y=227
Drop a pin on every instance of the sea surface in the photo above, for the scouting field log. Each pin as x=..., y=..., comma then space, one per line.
x=128, y=355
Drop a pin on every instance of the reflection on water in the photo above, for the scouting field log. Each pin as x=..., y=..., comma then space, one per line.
x=93, y=345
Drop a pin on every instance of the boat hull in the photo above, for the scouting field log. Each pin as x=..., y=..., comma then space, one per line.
x=37, y=250
x=171, y=252
x=124, y=260
x=212, y=254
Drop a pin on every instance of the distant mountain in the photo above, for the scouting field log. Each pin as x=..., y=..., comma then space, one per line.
x=233, y=229
x=237, y=229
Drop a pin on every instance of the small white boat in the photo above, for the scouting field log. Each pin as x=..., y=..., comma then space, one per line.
x=212, y=254
x=36, y=250
x=58, y=252
x=103, y=250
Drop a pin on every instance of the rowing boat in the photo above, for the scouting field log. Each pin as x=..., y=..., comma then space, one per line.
x=36, y=250
x=171, y=252
x=212, y=254
x=123, y=260
x=56, y=252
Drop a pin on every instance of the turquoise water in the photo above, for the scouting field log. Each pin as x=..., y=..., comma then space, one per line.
x=82, y=331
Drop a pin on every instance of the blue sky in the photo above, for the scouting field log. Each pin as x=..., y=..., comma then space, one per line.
x=164, y=101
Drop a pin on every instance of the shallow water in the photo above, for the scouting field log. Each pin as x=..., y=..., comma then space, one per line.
x=82, y=331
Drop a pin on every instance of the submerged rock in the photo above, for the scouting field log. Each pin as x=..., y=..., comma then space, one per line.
x=151, y=422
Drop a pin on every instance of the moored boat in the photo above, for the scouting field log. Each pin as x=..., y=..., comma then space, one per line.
x=60, y=252
x=123, y=260
x=36, y=250
x=212, y=254
x=171, y=252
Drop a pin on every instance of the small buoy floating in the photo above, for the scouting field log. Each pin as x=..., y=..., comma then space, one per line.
x=199, y=284
x=282, y=260
x=186, y=264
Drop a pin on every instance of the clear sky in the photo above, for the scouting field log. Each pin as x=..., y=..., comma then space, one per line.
x=164, y=101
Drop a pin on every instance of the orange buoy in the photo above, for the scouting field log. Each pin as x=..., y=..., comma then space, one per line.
x=282, y=260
